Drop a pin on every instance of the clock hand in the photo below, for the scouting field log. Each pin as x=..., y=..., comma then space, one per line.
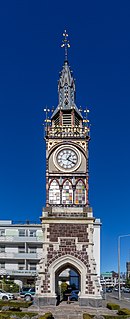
x=71, y=161
x=68, y=157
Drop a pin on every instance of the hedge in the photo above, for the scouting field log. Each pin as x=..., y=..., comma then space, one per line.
x=7, y=314
x=124, y=311
x=87, y=316
x=113, y=306
x=114, y=317
x=47, y=315
x=20, y=304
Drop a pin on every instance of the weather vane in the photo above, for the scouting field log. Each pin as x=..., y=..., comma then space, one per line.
x=65, y=44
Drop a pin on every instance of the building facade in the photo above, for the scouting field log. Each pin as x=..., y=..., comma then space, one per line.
x=109, y=279
x=67, y=220
x=20, y=250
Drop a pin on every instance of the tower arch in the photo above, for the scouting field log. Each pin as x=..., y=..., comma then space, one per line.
x=62, y=263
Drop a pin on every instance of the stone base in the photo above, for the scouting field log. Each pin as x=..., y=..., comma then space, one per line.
x=89, y=302
x=45, y=301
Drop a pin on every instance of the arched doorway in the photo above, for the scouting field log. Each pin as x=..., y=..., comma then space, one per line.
x=76, y=274
x=67, y=281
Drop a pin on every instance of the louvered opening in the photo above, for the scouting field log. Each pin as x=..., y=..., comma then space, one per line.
x=67, y=119
x=57, y=121
x=77, y=121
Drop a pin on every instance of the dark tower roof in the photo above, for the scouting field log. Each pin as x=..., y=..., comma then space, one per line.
x=66, y=85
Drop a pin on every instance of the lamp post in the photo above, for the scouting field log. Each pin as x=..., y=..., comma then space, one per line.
x=119, y=278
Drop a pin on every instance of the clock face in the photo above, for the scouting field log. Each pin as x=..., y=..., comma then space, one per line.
x=67, y=158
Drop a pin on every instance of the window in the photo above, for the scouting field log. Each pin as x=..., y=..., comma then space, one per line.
x=21, y=266
x=21, y=249
x=80, y=193
x=21, y=232
x=67, y=193
x=54, y=193
x=2, y=249
x=32, y=233
x=32, y=266
x=32, y=250
x=2, y=232
x=2, y=265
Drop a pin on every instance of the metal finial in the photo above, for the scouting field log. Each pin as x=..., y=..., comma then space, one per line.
x=65, y=44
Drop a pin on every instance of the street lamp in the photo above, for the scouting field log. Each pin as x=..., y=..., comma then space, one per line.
x=119, y=281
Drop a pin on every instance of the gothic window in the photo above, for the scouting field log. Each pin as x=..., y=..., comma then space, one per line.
x=80, y=193
x=54, y=193
x=67, y=193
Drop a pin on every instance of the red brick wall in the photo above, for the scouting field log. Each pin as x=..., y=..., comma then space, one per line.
x=68, y=230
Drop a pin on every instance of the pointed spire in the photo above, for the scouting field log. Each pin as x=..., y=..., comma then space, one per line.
x=66, y=88
x=66, y=83
x=65, y=44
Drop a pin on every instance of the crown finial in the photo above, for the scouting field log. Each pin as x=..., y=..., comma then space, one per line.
x=65, y=44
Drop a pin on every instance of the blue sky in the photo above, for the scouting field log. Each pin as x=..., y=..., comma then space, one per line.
x=30, y=61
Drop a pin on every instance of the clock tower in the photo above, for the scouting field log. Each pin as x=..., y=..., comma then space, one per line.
x=71, y=233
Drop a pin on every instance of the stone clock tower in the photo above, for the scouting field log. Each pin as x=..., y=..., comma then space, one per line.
x=71, y=233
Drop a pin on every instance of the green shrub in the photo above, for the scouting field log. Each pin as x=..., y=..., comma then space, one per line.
x=114, y=317
x=47, y=315
x=9, y=286
x=63, y=287
x=14, y=303
x=124, y=311
x=7, y=314
x=113, y=306
x=87, y=316
x=2, y=316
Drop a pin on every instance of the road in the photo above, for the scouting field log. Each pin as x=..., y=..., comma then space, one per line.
x=113, y=297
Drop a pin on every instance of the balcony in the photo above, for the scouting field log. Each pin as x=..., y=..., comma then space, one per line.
x=65, y=131
x=17, y=272
x=20, y=239
x=12, y=255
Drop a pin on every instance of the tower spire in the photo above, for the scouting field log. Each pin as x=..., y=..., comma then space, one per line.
x=65, y=44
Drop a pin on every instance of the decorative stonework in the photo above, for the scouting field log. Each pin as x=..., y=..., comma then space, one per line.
x=66, y=241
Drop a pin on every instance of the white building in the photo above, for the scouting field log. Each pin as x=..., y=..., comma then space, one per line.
x=20, y=250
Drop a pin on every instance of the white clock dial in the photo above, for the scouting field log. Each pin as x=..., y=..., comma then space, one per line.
x=67, y=158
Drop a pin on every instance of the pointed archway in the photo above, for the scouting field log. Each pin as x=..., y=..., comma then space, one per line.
x=62, y=263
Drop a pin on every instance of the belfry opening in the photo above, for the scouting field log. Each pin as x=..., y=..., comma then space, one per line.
x=71, y=247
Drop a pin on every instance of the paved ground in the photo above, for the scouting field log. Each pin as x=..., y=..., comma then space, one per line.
x=124, y=302
x=74, y=311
